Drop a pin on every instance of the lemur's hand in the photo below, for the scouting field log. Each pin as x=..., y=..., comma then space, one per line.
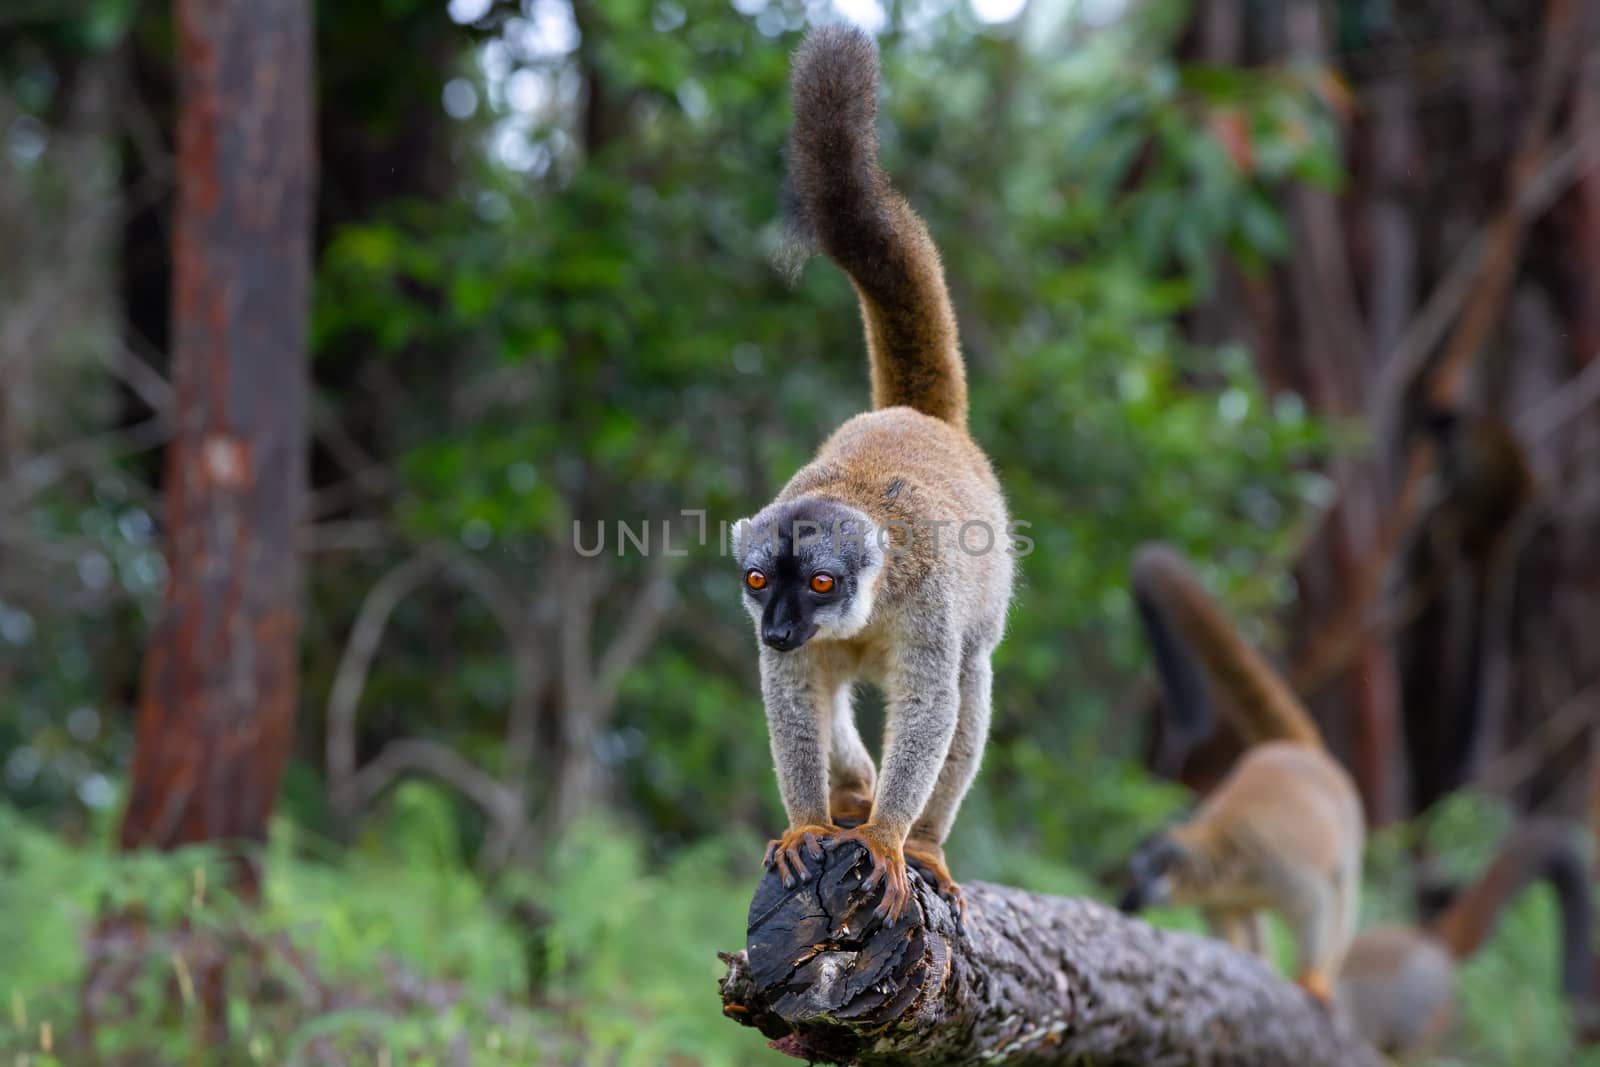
x=928, y=858
x=1317, y=984
x=887, y=849
x=785, y=852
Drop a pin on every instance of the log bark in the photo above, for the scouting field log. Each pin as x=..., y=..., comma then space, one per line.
x=1032, y=980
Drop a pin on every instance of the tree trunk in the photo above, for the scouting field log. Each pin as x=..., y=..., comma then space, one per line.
x=216, y=708
x=1033, y=980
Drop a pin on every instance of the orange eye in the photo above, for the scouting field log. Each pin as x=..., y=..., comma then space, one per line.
x=755, y=579
x=822, y=583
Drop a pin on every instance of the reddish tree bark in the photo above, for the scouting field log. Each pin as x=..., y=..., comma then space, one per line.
x=216, y=708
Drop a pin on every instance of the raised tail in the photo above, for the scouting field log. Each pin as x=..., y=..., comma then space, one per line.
x=839, y=201
x=1538, y=848
x=1200, y=656
x=1190, y=717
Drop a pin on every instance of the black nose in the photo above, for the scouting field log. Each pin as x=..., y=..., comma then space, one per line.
x=781, y=638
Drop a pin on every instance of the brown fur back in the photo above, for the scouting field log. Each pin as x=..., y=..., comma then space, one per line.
x=1261, y=704
x=1283, y=804
x=840, y=200
x=907, y=472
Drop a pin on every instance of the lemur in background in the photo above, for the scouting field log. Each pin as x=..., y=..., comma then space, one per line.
x=854, y=572
x=1284, y=830
x=1398, y=981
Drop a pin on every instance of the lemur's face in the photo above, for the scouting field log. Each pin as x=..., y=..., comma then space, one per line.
x=809, y=569
x=1152, y=869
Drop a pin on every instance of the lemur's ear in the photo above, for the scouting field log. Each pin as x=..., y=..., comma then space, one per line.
x=737, y=536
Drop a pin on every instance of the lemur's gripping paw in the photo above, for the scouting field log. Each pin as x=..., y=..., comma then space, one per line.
x=850, y=806
x=888, y=867
x=785, y=852
x=1316, y=983
x=928, y=858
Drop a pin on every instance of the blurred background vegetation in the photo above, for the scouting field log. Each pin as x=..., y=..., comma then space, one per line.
x=529, y=787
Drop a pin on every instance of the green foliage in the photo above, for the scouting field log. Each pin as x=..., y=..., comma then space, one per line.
x=394, y=946
x=637, y=948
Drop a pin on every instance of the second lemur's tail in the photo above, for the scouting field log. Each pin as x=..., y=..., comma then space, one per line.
x=1201, y=657
x=1536, y=849
x=840, y=201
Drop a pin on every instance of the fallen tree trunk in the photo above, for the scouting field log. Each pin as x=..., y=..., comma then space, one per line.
x=1033, y=980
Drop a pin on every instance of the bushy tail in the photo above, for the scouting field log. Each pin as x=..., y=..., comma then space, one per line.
x=1536, y=849
x=839, y=201
x=1200, y=655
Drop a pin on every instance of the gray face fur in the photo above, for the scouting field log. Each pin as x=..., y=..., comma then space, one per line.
x=789, y=545
x=1151, y=869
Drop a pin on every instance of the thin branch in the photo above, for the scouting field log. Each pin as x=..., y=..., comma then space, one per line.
x=503, y=800
x=144, y=133
x=1503, y=252
x=575, y=587
x=490, y=588
x=1560, y=406
x=1499, y=624
x=350, y=679
x=343, y=535
x=140, y=377
x=530, y=671
x=1560, y=171
x=639, y=630
x=1338, y=641
x=36, y=474
x=1560, y=728
x=431, y=758
x=343, y=447
x=370, y=484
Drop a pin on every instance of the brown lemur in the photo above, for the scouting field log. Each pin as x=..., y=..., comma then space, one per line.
x=859, y=569
x=1398, y=981
x=1284, y=830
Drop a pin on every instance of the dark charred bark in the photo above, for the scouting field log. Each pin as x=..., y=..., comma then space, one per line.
x=216, y=709
x=1033, y=980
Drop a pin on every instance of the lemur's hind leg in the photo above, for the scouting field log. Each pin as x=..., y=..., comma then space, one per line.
x=1243, y=929
x=852, y=776
x=1256, y=932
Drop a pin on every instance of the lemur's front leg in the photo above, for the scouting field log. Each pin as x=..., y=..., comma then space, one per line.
x=923, y=705
x=798, y=708
x=926, y=844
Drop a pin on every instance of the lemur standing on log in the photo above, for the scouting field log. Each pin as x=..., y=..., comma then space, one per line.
x=854, y=572
x=1284, y=830
x=1397, y=982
